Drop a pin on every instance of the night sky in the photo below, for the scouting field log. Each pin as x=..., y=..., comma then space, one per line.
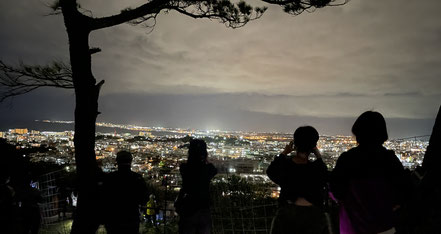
x=275, y=74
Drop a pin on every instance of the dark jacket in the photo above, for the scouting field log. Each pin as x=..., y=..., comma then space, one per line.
x=125, y=191
x=368, y=182
x=298, y=180
x=196, y=181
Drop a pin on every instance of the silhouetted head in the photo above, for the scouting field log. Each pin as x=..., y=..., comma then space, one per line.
x=370, y=128
x=305, y=139
x=124, y=159
x=197, y=151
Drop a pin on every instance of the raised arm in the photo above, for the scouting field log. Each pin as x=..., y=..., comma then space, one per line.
x=276, y=168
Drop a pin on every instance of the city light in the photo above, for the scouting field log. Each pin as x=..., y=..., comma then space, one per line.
x=158, y=150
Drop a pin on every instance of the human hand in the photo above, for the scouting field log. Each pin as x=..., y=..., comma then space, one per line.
x=316, y=152
x=288, y=148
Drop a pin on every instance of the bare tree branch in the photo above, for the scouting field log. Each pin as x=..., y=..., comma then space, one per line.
x=296, y=7
x=24, y=78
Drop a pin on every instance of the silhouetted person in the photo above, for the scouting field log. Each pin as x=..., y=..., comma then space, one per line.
x=29, y=209
x=368, y=180
x=7, y=204
x=302, y=184
x=19, y=210
x=7, y=192
x=63, y=200
x=151, y=210
x=194, y=207
x=124, y=191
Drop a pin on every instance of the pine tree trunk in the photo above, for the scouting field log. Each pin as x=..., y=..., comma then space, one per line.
x=86, y=219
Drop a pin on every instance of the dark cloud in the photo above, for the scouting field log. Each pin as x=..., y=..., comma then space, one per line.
x=189, y=111
x=27, y=34
x=330, y=65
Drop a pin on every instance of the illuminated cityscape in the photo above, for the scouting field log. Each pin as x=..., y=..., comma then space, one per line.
x=159, y=150
x=153, y=81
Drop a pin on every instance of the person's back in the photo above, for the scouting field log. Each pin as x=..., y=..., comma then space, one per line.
x=151, y=206
x=151, y=210
x=302, y=185
x=193, y=203
x=125, y=191
x=7, y=197
x=368, y=180
x=282, y=171
x=196, y=181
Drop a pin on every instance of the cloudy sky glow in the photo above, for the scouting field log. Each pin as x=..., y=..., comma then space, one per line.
x=322, y=68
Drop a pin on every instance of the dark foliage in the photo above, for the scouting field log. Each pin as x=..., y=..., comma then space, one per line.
x=296, y=7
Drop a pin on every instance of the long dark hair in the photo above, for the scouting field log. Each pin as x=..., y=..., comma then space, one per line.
x=197, y=151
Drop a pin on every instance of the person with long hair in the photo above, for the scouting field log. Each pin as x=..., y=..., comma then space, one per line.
x=194, y=204
x=369, y=180
x=302, y=184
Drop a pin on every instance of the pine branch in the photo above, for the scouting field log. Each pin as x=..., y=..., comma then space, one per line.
x=233, y=15
x=24, y=78
x=296, y=7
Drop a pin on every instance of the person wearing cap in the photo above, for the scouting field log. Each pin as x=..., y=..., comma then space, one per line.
x=125, y=192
